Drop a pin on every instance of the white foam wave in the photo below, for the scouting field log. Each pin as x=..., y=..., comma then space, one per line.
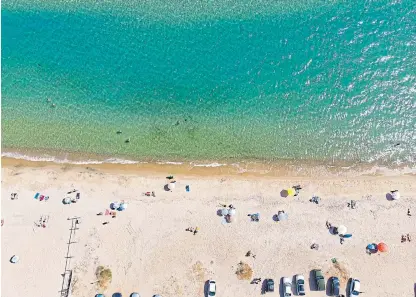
x=208, y=165
x=47, y=158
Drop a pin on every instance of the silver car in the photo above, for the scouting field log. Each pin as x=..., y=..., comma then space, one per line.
x=300, y=285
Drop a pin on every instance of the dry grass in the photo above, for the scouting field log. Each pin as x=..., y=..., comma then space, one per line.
x=341, y=271
x=104, y=276
x=244, y=271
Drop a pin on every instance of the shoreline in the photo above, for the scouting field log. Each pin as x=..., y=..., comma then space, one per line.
x=278, y=169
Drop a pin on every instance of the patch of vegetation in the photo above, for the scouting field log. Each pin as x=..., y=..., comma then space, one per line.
x=244, y=271
x=104, y=276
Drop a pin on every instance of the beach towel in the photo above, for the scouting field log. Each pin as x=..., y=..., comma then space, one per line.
x=41, y=198
x=107, y=212
x=36, y=195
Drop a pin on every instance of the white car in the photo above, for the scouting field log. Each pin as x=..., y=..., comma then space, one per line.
x=300, y=285
x=355, y=287
x=287, y=287
x=212, y=288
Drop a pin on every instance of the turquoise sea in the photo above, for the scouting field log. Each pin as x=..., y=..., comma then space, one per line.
x=211, y=80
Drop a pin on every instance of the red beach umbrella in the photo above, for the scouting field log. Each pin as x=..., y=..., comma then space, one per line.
x=382, y=247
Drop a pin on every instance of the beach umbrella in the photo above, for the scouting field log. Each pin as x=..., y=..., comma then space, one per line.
x=291, y=192
x=282, y=216
x=342, y=230
x=395, y=195
x=157, y=295
x=232, y=211
x=382, y=247
x=66, y=200
x=15, y=259
x=171, y=186
x=114, y=205
x=99, y=295
x=134, y=295
x=224, y=211
x=122, y=207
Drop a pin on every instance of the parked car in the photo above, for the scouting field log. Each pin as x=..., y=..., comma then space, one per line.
x=334, y=286
x=300, y=285
x=269, y=285
x=212, y=288
x=287, y=287
x=319, y=279
x=355, y=287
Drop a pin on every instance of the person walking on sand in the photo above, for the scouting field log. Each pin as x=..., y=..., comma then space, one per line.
x=196, y=230
x=105, y=223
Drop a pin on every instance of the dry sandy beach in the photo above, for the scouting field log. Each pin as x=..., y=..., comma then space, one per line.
x=149, y=251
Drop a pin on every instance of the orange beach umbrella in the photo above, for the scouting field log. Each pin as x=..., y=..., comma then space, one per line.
x=382, y=247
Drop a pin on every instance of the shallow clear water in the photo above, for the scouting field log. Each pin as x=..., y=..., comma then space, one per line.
x=307, y=81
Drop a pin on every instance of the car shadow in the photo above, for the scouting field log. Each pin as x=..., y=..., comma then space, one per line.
x=312, y=283
x=347, y=287
x=328, y=286
x=263, y=286
x=281, y=287
x=294, y=285
x=206, y=288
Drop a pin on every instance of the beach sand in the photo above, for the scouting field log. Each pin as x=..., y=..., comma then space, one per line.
x=148, y=250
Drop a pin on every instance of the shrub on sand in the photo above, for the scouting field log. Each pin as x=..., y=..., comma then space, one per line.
x=244, y=272
x=104, y=276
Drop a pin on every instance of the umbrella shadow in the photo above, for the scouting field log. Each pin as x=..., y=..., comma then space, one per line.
x=284, y=193
x=275, y=218
x=166, y=188
x=219, y=212
x=389, y=197
x=414, y=289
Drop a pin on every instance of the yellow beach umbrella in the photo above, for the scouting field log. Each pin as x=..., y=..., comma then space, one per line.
x=291, y=192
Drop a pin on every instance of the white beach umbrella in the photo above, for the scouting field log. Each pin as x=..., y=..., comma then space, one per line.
x=15, y=259
x=395, y=195
x=134, y=295
x=123, y=206
x=282, y=216
x=342, y=230
x=171, y=186
x=224, y=211
x=232, y=211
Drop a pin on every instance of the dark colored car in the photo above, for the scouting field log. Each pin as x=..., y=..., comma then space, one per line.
x=319, y=279
x=270, y=285
x=334, y=286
